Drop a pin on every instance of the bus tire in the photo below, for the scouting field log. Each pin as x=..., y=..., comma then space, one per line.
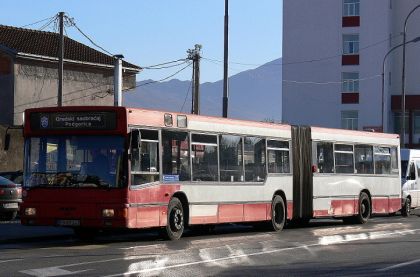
x=278, y=213
x=365, y=211
x=406, y=208
x=175, y=221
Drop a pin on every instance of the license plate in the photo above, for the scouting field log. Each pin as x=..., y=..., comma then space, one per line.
x=10, y=205
x=68, y=222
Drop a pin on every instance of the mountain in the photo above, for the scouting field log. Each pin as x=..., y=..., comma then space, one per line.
x=253, y=94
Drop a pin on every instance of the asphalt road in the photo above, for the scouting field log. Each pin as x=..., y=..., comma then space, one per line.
x=384, y=246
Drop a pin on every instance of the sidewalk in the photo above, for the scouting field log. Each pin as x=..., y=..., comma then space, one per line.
x=13, y=231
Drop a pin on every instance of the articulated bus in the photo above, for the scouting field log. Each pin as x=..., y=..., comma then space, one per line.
x=92, y=168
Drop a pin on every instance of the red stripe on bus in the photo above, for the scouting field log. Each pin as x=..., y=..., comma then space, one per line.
x=203, y=219
x=343, y=207
x=386, y=205
x=289, y=209
x=154, y=194
x=255, y=212
x=231, y=213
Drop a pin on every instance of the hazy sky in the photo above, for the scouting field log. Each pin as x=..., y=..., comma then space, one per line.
x=149, y=32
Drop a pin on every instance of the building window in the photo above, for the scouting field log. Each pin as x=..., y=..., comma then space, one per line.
x=397, y=122
x=416, y=122
x=350, y=44
x=350, y=82
x=351, y=7
x=350, y=120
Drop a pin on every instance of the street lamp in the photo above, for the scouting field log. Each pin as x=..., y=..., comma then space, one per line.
x=417, y=39
x=402, y=136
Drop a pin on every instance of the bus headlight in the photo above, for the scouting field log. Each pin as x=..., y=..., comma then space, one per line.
x=30, y=211
x=108, y=212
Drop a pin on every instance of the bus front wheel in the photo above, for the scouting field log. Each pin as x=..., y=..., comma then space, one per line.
x=406, y=209
x=278, y=213
x=175, y=222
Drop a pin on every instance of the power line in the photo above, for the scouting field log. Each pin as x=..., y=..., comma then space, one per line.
x=304, y=61
x=332, y=82
x=162, y=65
x=161, y=80
x=168, y=66
x=73, y=23
x=48, y=23
x=27, y=25
x=188, y=91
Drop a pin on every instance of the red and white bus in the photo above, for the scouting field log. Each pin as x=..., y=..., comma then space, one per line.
x=114, y=167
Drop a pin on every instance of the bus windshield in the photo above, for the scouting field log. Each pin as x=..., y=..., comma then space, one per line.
x=74, y=161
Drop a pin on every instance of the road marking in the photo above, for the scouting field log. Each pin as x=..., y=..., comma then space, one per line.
x=210, y=261
x=140, y=246
x=59, y=271
x=321, y=242
x=398, y=265
x=13, y=260
x=51, y=271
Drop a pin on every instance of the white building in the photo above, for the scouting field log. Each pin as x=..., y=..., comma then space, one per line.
x=333, y=51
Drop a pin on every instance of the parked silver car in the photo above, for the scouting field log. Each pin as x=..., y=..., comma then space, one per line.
x=10, y=198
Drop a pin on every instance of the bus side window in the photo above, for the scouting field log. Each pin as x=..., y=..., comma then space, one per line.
x=382, y=157
x=144, y=156
x=394, y=161
x=363, y=155
x=324, y=157
x=254, y=158
x=176, y=156
x=278, y=156
x=344, y=162
x=231, y=158
x=204, y=157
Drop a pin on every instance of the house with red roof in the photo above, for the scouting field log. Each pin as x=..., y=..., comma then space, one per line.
x=29, y=73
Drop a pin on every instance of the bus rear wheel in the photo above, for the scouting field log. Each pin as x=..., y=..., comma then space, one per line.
x=364, y=211
x=175, y=222
x=278, y=213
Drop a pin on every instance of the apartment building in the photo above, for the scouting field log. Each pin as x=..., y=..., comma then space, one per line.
x=334, y=60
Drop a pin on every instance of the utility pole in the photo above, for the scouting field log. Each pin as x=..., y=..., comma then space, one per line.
x=194, y=55
x=60, y=61
x=225, y=62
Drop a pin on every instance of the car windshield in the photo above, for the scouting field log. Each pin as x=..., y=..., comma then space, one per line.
x=74, y=161
x=4, y=181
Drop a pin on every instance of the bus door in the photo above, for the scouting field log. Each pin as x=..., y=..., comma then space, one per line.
x=302, y=172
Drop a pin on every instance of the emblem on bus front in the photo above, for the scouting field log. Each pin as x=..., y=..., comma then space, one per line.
x=44, y=122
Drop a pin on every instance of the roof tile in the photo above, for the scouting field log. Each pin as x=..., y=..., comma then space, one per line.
x=43, y=43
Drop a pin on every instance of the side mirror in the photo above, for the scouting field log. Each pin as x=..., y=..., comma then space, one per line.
x=6, y=142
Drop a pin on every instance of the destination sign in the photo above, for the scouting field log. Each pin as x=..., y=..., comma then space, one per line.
x=74, y=120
